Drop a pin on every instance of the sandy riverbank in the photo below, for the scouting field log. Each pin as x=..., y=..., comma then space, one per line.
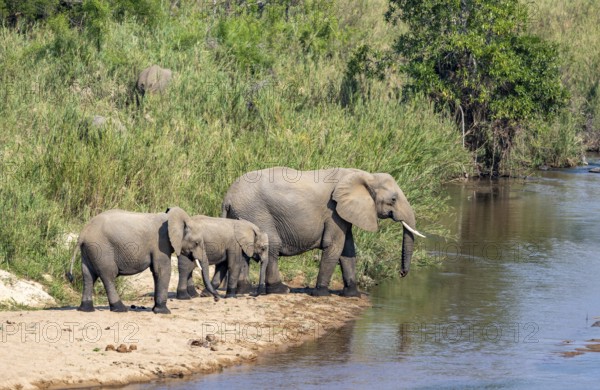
x=67, y=348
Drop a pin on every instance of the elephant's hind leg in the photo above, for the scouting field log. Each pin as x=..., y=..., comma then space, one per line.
x=89, y=278
x=114, y=300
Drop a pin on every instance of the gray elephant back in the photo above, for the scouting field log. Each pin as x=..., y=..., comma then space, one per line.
x=154, y=79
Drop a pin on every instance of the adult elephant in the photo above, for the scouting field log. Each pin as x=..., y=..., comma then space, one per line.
x=304, y=210
x=230, y=244
x=118, y=242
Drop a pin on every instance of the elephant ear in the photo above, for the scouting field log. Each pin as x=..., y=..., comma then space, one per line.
x=177, y=221
x=355, y=203
x=245, y=237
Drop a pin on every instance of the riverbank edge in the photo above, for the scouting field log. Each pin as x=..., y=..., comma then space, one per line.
x=164, y=347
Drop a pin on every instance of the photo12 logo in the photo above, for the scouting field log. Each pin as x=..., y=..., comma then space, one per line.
x=256, y=332
x=454, y=332
x=481, y=251
x=54, y=332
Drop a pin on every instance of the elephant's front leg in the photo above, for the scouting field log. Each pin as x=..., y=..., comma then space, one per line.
x=244, y=286
x=348, y=264
x=114, y=301
x=233, y=268
x=185, y=285
x=161, y=271
x=274, y=284
x=329, y=259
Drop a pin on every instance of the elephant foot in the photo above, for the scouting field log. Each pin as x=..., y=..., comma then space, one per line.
x=320, y=291
x=261, y=290
x=192, y=292
x=118, y=307
x=161, y=309
x=86, y=306
x=231, y=293
x=277, y=288
x=245, y=287
x=351, y=291
x=183, y=295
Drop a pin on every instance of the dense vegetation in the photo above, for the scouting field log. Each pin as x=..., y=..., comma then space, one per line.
x=255, y=85
x=475, y=59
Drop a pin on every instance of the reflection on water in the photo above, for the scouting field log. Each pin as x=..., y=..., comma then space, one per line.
x=521, y=278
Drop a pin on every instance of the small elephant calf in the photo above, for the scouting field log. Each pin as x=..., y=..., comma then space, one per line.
x=118, y=242
x=230, y=244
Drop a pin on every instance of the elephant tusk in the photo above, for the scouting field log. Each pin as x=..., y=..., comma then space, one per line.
x=198, y=264
x=413, y=231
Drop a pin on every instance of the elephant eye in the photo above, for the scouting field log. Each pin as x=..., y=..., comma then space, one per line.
x=393, y=200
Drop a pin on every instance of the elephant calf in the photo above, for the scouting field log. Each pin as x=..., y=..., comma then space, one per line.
x=119, y=242
x=230, y=244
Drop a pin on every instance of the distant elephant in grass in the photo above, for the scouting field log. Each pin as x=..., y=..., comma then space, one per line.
x=304, y=210
x=230, y=244
x=119, y=242
x=154, y=79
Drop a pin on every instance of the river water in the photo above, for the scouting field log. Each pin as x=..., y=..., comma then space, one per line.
x=519, y=286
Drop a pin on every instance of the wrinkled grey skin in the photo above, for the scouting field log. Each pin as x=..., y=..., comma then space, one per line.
x=154, y=79
x=229, y=245
x=119, y=242
x=304, y=210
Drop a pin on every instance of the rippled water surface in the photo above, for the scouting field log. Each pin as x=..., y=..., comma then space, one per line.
x=522, y=277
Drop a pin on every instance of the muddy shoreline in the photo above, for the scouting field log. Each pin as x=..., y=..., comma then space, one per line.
x=64, y=348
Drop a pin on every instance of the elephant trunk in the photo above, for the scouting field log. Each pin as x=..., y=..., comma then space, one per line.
x=408, y=241
x=407, y=217
x=264, y=261
x=203, y=265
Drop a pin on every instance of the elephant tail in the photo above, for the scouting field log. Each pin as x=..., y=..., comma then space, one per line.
x=227, y=210
x=225, y=207
x=70, y=272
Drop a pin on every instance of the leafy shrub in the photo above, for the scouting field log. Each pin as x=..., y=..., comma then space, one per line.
x=476, y=59
x=16, y=12
x=27, y=11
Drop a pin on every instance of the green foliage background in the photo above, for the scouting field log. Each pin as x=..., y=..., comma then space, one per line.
x=251, y=89
x=307, y=84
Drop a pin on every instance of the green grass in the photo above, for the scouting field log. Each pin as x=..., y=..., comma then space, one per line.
x=575, y=26
x=248, y=92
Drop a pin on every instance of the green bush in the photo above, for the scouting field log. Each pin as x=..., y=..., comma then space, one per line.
x=15, y=12
x=79, y=12
x=555, y=144
x=148, y=12
x=476, y=59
